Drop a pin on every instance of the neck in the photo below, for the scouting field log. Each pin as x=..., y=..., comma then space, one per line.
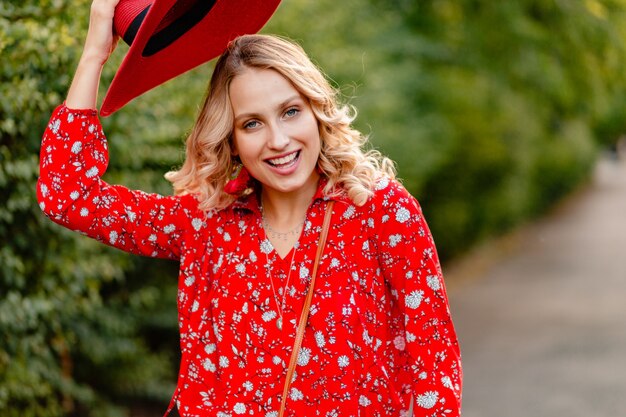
x=284, y=210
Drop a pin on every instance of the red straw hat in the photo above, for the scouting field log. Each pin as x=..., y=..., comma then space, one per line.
x=169, y=37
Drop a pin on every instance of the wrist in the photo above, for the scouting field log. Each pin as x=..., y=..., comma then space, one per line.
x=83, y=91
x=92, y=59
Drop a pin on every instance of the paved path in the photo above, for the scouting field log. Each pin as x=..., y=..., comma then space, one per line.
x=541, y=315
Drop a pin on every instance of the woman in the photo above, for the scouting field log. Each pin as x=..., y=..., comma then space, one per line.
x=270, y=149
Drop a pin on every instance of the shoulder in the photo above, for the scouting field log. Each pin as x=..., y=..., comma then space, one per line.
x=390, y=203
x=185, y=210
x=391, y=196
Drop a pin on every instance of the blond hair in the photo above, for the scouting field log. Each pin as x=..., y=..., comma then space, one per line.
x=208, y=157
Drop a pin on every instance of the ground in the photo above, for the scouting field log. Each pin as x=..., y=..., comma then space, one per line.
x=541, y=313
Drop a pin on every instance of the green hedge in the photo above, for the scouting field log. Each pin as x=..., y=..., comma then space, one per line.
x=84, y=329
x=493, y=110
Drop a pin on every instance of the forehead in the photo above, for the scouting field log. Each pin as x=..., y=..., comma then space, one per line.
x=257, y=88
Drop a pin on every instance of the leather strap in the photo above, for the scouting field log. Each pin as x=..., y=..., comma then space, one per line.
x=305, y=310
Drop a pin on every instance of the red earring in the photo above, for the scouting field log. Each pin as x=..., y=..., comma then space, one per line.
x=239, y=180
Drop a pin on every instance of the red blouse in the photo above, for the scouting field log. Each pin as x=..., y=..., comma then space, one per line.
x=379, y=330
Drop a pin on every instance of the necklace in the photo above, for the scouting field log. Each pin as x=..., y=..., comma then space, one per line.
x=281, y=306
x=284, y=236
x=275, y=234
x=281, y=235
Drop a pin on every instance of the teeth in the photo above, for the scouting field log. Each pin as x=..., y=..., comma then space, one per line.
x=284, y=160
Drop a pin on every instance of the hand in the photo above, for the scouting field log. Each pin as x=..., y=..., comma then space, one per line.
x=101, y=40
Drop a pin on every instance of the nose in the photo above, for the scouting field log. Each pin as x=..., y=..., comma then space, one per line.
x=278, y=137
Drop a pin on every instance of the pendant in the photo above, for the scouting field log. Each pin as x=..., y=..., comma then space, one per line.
x=279, y=323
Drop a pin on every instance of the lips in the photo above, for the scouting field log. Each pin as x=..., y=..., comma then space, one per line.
x=283, y=161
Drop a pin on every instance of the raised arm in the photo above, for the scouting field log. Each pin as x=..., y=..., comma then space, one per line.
x=99, y=44
x=74, y=157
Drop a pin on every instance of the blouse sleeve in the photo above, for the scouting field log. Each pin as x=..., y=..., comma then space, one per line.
x=70, y=191
x=411, y=268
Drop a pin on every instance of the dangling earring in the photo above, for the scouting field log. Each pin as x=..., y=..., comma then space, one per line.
x=239, y=180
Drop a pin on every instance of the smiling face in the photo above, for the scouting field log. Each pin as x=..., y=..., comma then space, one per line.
x=275, y=132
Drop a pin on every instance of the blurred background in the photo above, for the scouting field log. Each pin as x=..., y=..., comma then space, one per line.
x=497, y=114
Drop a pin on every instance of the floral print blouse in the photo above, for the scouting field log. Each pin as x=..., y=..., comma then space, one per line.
x=379, y=333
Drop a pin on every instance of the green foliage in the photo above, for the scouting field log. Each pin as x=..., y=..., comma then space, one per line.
x=492, y=110
x=525, y=89
x=77, y=319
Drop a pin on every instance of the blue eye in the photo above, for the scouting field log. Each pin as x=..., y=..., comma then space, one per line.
x=292, y=112
x=251, y=124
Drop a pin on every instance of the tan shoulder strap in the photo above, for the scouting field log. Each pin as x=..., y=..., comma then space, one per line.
x=305, y=310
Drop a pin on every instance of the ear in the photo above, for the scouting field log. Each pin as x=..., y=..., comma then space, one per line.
x=233, y=146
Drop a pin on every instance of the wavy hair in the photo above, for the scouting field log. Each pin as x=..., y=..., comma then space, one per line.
x=209, y=160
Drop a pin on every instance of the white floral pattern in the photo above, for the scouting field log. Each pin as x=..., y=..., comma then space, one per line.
x=379, y=328
x=428, y=399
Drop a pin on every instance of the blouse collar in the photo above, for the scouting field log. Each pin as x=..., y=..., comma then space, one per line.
x=251, y=201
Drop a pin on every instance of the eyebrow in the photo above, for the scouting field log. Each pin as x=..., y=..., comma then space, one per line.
x=279, y=106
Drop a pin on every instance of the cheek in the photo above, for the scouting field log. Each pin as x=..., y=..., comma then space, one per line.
x=244, y=148
x=311, y=130
x=316, y=140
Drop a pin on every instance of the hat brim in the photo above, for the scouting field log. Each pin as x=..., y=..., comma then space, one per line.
x=204, y=41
